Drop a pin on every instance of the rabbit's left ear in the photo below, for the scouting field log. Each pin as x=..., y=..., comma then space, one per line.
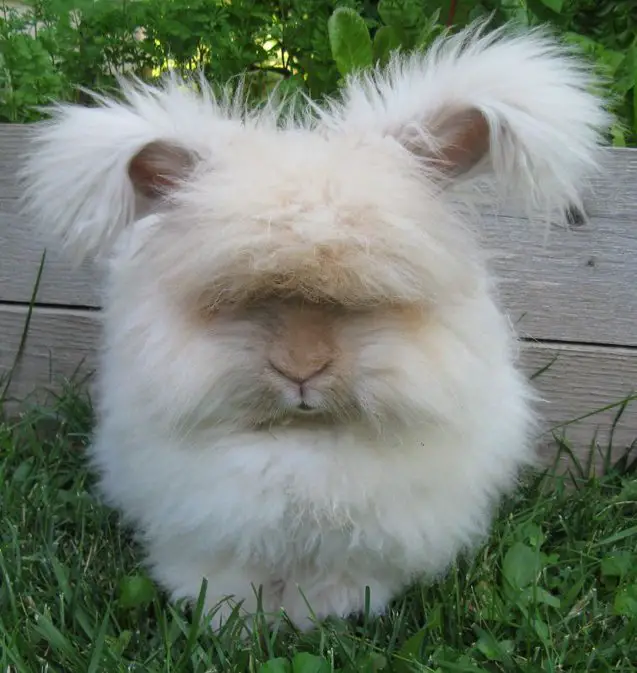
x=92, y=172
x=518, y=109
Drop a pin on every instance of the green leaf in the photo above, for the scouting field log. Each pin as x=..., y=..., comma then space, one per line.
x=386, y=40
x=534, y=535
x=617, y=134
x=539, y=595
x=521, y=565
x=625, y=602
x=555, y=5
x=617, y=564
x=370, y=662
x=304, y=662
x=622, y=535
x=54, y=637
x=432, y=29
x=25, y=468
x=98, y=647
x=633, y=54
x=136, y=591
x=410, y=651
x=399, y=13
x=542, y=9
x=278, y=665
x=494, y=650
x=541, y=629
x=349, y=40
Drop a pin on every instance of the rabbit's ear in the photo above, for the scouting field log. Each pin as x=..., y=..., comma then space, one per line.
x=159, y=167
x=91, y=172
x=515, y=108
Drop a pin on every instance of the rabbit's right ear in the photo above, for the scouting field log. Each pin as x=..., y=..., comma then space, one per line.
x=91, y=172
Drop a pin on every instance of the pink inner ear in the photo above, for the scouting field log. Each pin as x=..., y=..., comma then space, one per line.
x=464, y=141
x=159, y=167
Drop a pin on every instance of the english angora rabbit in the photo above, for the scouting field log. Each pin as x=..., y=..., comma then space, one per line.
x=306, y=386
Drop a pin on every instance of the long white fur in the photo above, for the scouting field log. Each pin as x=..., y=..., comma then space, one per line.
x=545, y=127
x=544, y=118
x=446, y=420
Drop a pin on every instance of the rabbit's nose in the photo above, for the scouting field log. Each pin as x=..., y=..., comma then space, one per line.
x=300, y=372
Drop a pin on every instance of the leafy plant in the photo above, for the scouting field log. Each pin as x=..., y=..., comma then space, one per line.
x=605, y=33
x=52, y=49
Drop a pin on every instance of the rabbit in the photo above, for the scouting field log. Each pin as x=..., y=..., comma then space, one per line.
x=308, y=395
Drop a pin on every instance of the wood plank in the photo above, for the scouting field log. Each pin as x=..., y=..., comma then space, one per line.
x=571, y=284
x=577, y=285
x=567, y=284
x=21, y=250
x=610, y=193
x=580, y=380
x=13, y=140
x=60, y=344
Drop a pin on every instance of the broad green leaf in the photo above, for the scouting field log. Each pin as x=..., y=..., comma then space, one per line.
x=386, y=40
x=136, y=591
x=494, y=650
x=618, y=564
x=555, y=5
x=401, y=13
x=410, y=651
x=542, y=9
x=618, y=136
x=349, y=40
x=541, y=629
x=304, y=662
x=625, y=602
x=279, y=665
x=538, y=595
x=520, y=566
x=370, y=662
x=533, y=533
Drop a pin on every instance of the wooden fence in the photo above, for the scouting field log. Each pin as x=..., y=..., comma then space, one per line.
x=572, y=294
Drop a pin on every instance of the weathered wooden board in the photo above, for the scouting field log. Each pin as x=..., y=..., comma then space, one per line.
x=579, y=285
x=13, y=141
x=21, y=250
x=571, y=287
x=580, y=380
x=572, y=284
x=575, y=382
x=60, y=344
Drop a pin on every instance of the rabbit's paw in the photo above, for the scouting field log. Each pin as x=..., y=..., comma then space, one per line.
x=234, y=598
x=334, y=596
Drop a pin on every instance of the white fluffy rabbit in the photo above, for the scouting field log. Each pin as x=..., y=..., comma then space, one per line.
x=306, y=385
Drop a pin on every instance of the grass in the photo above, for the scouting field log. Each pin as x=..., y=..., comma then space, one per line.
x=554, y=589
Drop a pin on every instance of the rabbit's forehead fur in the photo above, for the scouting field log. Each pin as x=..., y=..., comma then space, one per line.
x=344, y=217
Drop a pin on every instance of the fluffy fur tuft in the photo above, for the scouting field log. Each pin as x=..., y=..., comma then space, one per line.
x=306, y=385
x=545, y=123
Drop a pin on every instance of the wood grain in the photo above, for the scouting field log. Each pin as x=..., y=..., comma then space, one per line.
x=577, y=382
x=21, y=252
x=62, y=343
x=577, y=285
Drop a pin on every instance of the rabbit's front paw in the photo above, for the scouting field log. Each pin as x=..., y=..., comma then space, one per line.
x=333, y=596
